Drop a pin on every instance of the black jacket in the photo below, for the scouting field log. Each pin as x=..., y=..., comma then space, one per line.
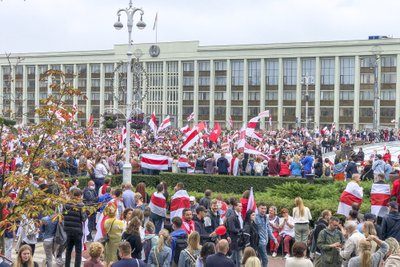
x=351, y=169
x=218, y=260
x=391, y=225
x=201, y=229
x=321, y=225
x=136, y=244
x=74, y=218
x=90, y=196
x=234, y=231
x=251, y=235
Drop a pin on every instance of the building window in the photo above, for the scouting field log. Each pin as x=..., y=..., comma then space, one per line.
x=389, y=77
x=19, y=70
x=327, y=71
x=271, y=95
x=109, y=68
x=55, y=67
x=172, y=96
x=254, y=96
x=155, y=67
x=366, y=112
x=172, y=67
x=346, y=95
x=82, y=69
x=204, y=95
x=31, y=84
x=69, y=69
x=347, y=70
x=346, y=112
x=204, y=111
x=108, y=82
x=187, y=111
x=81, y=82
x=220, y=80
x=367, y=61
x=30, y=70
x=188, y=81
x=95, y=82
x=308, y=67
x=43, y=69
x=220, y=65
x=204, y=65
x=237, y=111
x=6, y=70
x=42, y=95
x=289, y=71
x=237, y=72
x=366, y=95
x=188, y=66
x=289, y=112
x=18, y=84
x=367, y=78
x=254, y=68
x=95, y=96
x=327, y=95
x=253, y=111
x=31, y=96
x=272, y=70
x=220, y=95
x=388, y=94
x=236, y=96
x=289, y=95
x=387, y=112
x=173, y=81
x=327, y=112
x=204, y=81
x=95, y=68
x=220, y=111
x=388, y=61
x=188, y=95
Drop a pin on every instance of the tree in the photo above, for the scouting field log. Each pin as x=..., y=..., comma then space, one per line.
x=31, y=201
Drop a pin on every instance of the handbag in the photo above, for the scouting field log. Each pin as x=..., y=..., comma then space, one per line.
x=105, y=239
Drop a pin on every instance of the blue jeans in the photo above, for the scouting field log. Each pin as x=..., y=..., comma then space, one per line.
x=262, y=253
x=158, y=222
x=235, y=257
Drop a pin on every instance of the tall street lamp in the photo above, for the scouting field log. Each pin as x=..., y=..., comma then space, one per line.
x=307, y=80
x=376, y=93
x=130, y=12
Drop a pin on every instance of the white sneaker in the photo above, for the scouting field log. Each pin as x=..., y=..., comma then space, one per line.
x=287, y=256
x=273, y=254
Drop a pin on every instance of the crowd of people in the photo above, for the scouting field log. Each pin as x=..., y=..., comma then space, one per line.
x=131, y=227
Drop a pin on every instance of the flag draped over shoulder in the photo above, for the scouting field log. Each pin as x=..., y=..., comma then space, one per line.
x=179, y=201
x=154, y=162
x=380, y=198
x=158, y=204
x=353, y=193
x=251, y=205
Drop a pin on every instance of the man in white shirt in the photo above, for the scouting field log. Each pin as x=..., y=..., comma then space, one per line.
x=350, y=248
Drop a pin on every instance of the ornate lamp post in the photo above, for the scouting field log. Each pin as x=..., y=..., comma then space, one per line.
x=130, y=12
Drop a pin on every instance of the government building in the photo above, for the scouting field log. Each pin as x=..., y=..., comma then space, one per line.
x=338, y=81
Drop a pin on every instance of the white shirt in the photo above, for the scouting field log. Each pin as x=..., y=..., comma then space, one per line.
x=286, y=230
x=301, y=219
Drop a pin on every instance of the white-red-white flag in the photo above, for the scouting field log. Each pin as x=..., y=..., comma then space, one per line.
x=333, y=126
x=158, y=204
x=154, y=162
x=165, y=124
x=230, y=122
x=235, y=135
x=190, y=117
x=138, y=142
x=270, y=121
x=192, y=136
x=59, y=116
x=263, y=114
x=353, y=193
x=251, y=205
x=380, y=198
x=122, y=137
x=179, y=201
x=185, y=129
x=183, y=162
x=153, y=123
x=251, y=150
x=251, y=126
x=234, y=166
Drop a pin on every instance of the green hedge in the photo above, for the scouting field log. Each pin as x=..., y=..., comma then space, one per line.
x=217, y=183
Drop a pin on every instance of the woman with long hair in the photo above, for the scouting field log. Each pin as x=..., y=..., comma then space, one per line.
x=160, y=255
x=295, y=166
x=284, y=167
x=250, y=230
x=132, y=235
x=206, y=250
x=368, y=229
x=188, y=256
x=141, y=188
x=253, y=261
x=302, y=217
x=126, y=217
x=24, y=258
x=393, y=255
x=365, y=258
x=114, y=228
x=247, y=253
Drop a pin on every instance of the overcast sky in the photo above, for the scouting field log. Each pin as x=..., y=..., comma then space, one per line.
x=78, y=25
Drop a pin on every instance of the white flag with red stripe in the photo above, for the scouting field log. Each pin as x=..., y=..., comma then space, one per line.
x=251, y=205
x=183, y=162
x=251, y=150
x=352, y=194
x=235, y=135
x=242, y=139
x=153, y=123
x=122, y=137
x=251, y=126
x=179, y=201
x=234, y=166
x=193, y=136
x=263, y=114
x=380, y=198
x=154, y=162
x=185, y=129
x=165, y=124
x=230, y=122
x=138, y=142
x=190, y=117
x=158, y=204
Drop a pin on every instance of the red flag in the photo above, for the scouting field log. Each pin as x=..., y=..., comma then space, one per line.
x=215, y=132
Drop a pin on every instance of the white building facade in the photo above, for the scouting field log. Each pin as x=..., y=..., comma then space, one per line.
x=219, y=82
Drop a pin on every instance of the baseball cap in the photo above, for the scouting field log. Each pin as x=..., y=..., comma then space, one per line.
x=192, y=198
x=393, y=205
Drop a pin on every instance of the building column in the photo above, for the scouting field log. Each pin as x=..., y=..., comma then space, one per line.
x=245, y=91
x=379, y=90
x=336, y=93
x=180, y=93
x=24, y=96
x=165, y=94
x=228, y=89
x=102, y=93
x=397, y=110
x=280, y=95
x=13, y=114
x=356, y=105
x=37, y=95
x=88, y=92
x=262, y=92
x=299, y=91
x=212, y=92
x=317, y=99
x=196, y=91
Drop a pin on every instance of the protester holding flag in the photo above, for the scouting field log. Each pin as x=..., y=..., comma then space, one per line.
x=158, y=206
x=380, y=197
x=352, y=194
x=179, y=201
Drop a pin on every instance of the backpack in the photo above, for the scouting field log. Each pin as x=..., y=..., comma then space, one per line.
x=311, y=244
x=147, y=249
x=180, y=244
x=327, y=171
x=60, y=237
x=250, y=167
